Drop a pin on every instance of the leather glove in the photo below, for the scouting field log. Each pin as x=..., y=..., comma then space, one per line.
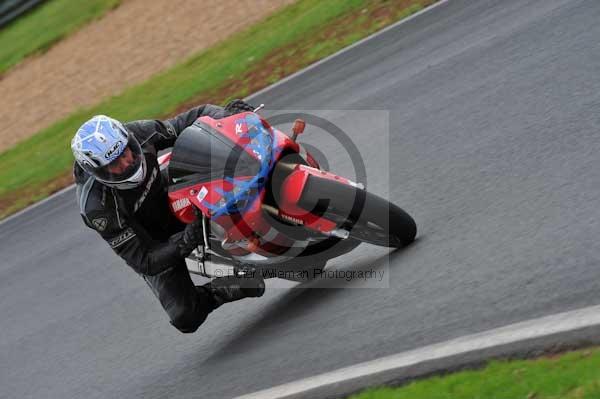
x=192, y=236
x=236, y=106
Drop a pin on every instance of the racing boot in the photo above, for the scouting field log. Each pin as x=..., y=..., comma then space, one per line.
x=232, y=288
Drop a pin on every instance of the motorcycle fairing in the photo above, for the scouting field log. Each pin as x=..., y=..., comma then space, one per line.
x=222, y=167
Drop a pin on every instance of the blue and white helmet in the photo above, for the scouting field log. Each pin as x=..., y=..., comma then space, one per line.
x=106, y=150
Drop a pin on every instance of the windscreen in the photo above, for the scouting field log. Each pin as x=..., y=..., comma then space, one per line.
x=202, y=154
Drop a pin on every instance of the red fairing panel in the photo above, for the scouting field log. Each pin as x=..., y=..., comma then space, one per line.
x=291, y=192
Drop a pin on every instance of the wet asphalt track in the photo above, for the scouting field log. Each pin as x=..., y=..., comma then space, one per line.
x=495, y=136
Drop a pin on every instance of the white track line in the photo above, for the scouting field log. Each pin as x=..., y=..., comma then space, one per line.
x=274, y=85
x=338, y=379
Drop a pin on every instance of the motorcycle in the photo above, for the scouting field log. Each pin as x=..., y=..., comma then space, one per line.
x=267, y=204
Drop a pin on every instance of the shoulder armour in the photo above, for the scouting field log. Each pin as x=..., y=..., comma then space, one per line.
x=98, y=207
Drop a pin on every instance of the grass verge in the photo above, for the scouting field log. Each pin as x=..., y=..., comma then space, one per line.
x=285, y=42
x=568, y=376
x=45, y=25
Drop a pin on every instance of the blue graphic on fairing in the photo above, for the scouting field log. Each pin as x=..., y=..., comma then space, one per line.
x=245, y=192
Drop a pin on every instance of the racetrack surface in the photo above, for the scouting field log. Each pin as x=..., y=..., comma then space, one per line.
x=494, y=149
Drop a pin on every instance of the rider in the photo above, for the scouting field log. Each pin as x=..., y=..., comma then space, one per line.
x=122, y=195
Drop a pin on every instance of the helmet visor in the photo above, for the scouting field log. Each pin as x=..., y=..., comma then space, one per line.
x=127, y=165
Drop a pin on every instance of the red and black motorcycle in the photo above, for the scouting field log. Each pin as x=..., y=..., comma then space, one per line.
x=265, y=201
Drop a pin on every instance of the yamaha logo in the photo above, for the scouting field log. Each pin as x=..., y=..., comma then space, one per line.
x=290, y=218
x=180, y=204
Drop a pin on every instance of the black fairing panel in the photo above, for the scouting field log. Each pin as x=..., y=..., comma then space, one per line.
x=202, y=154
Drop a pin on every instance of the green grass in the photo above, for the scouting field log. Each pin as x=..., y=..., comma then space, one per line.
x=39, y=29
x=28, y=170
x=569, y=376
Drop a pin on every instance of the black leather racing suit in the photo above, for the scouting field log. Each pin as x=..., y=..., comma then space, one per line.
x=138, y=224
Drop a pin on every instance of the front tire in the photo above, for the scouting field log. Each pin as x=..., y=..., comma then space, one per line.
x=384, y=224
x=368, y=217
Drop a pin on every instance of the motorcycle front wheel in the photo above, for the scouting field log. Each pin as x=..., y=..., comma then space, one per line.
x=368, y=217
